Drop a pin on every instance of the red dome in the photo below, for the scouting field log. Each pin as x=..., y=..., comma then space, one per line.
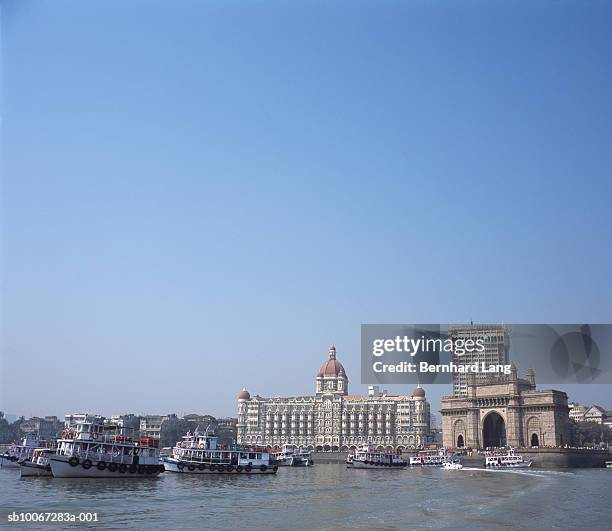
x=419, y=392
x=331, y=367
x=244, y=395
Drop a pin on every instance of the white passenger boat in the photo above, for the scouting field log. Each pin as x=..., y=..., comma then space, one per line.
x=608, y=464
x=21, y=452
x=507, y=460
x=89, y=448
x=38, y=465
x=452, y=465
x=370, y=457
x=292, y=456
x=435, y=457
x=199, y=453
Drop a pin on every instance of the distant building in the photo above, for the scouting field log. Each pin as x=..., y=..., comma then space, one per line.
x=507, y=412
x=129, y=421
x=332, y=419
x=202, y=420
x=46, y=427
x=226, y=430
x=576, y=412
x=596, y=414
x=496, y=348
x=150, y=425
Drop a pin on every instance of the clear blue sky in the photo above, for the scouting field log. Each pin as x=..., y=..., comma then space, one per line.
x=201, y=196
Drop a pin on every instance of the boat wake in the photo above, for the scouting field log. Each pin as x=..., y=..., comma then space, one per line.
x=521, y=472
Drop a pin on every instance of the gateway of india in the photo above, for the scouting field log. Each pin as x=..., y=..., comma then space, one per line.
x=497, y=411
x=332, y=419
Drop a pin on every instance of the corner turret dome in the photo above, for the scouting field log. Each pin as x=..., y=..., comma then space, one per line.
x=419, y=392
x=244, y=395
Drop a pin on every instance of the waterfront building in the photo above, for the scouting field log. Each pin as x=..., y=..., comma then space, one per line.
x=496, y=348
x=202, y=420
x=45, y=427
x=226, y=430
x=128, y=420
x=577, y=411
x=150, y=425
x=598, y=415
x=505, y=412
x=331, y=419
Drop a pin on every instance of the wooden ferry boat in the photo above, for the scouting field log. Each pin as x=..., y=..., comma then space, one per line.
x=199, y=453
x=91, y=449
x=38, y=465
x=22, y=452
x=368, y=457
x=506, y=460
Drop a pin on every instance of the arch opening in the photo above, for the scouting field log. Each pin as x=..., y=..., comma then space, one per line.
x=494, y=431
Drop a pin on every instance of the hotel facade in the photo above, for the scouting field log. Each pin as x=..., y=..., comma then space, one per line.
x=332, y=419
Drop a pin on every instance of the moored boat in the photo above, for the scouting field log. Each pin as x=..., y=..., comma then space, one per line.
x=199, y=453
x=89, y=448
x=368, y=457
x=38, y=465
x=509, y=459
x=21, y=452
x=292, y=456
x=608, y=464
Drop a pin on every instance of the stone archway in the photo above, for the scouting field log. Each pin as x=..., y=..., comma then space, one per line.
x=534, y=431
x=494, y=430
x=459, y=433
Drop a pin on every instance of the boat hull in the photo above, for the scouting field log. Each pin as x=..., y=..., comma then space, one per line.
x=29, y=469
x=294, y=461
x=174, y=466
x=61, y=468
x=514, y=465
x=373, y=466
x=7, y=462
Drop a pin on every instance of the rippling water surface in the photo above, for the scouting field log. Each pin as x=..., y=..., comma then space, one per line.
x=326, y=497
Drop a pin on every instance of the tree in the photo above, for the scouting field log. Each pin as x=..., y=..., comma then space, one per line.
x=590, y=433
